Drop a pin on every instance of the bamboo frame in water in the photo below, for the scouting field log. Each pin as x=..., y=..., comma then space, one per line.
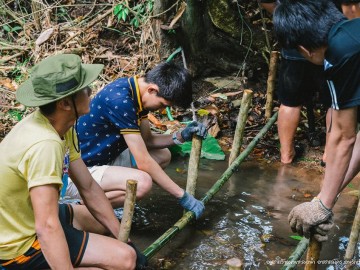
x=188, y=216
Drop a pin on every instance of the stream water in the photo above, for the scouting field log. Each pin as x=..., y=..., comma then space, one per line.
x=246, y=219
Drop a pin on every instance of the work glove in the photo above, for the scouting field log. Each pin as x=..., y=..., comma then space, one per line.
x=320, y=232
x=141, y=260
x=188, y=202
x=194, y=128
x=306, y=216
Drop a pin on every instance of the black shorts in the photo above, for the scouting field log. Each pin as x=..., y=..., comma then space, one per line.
x=299, y=81
x=77, y=241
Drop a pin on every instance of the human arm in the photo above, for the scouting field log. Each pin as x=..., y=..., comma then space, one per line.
x=339, y=150
x=146, y=163
x=354, y=166
x=156, y=141
x=304, y=217
x=93, y=196
x=44, y=200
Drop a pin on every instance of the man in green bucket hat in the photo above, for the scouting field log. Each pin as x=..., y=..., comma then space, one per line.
x=36, y=232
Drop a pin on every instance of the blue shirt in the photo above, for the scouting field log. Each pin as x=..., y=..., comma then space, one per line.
x=114, y=111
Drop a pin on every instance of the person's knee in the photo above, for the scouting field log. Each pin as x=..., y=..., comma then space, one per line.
x=144, y=185
x=165, y=158
x=129, y=261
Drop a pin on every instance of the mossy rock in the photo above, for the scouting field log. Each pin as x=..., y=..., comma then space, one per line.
x=225, y=16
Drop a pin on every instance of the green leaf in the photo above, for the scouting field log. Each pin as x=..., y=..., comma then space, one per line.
x=149, y=6
x=124, y=15
x=118, y=9
x=135, y=22
x=16, y=28
x=119, y=15
x=137, y=7
x=6, y=28
x=296, y=237
x=15, y=114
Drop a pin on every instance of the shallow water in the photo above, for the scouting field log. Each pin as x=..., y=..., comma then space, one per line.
x=247, y=219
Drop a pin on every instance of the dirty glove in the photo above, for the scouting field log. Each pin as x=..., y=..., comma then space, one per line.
x=141, y=260
x=194, y=128
x=320, y=232
x=188, y=202
x=307, y=215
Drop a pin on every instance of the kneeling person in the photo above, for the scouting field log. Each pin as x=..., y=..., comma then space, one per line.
x=118, y=121
x=35, y=231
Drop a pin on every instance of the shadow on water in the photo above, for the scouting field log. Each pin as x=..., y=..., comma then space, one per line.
x=246, y=219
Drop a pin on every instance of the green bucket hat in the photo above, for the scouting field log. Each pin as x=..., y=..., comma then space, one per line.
x=56, y=77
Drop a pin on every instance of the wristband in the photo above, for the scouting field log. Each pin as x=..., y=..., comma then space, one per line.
x=175, y=139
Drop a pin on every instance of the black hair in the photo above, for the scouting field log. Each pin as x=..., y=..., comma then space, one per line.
x=174, y=82
x=305, y=22
x=48, y=109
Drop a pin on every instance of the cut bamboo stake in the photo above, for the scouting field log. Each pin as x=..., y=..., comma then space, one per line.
x=240, y=125
x=234, y=264
x=354, y=236
x=274, y=56
x=193, y=165
x=313, y=254
x=129, y=205
x=296, y=255
x=188, y=216
x=194, y=160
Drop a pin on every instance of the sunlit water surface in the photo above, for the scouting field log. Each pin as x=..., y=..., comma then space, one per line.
x=246, y=219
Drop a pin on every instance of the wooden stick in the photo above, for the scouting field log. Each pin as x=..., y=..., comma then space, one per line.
x=234, y=264
x=194, y=159
x=129, y=206
x=354, y=236
x=274, y=56
x=36, y=6
x=313, y=254
x=193, y=165
x=240, y=125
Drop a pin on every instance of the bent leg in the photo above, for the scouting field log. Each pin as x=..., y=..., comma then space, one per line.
x=161, y=156
x=108, y=253
x=114, y=180
x=287, y=123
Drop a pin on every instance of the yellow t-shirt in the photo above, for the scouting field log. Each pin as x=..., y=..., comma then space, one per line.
x=32, y=154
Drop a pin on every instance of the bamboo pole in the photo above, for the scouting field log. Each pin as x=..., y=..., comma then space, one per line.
x=354, y=236
x=240, y=125
x=296, y=255
x=188, y=216
x=234, y=264
x=313, y=254
x=194, y=161
x=274, y=56
x=129, y=205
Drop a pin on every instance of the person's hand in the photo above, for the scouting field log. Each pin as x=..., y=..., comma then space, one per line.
x=305, y=216
x=194, y=128
x=321, y=231
x=188, y=202
x=141, y=260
